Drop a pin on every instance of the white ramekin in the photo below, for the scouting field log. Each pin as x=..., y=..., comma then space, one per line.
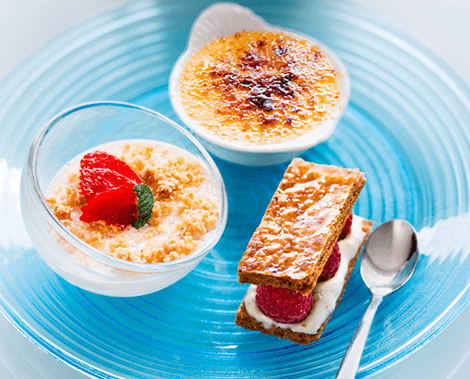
x=224, y=19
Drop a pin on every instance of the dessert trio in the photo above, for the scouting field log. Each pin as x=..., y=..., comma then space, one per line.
x=145, y=202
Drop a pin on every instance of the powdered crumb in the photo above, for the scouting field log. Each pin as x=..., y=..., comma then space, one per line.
x=186, y=205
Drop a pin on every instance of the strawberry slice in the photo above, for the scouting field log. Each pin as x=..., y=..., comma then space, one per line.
x=116, y=206
x=113, y=191
x=100, y=171
x=94, y=181
x=101, y=159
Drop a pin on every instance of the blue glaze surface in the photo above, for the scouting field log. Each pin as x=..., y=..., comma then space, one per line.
x=406, y=127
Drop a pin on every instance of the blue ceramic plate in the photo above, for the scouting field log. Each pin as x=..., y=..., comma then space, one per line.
x=406, y=128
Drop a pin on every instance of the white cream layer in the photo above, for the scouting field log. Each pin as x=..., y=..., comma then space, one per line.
x=325, y=293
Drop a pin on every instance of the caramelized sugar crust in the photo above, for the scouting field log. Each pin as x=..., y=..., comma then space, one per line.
x=259, y=87
x=301, y=225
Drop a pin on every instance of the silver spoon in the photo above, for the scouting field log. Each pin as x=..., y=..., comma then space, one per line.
x=389, y=259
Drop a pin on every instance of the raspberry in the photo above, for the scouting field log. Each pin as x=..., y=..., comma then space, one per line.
x=332, y=265
x=283, y=305
x=117, y=206
x=347, y=227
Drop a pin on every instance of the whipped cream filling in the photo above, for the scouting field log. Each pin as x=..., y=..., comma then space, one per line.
x=325, y=293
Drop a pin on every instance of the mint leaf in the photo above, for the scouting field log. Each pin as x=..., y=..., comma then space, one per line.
x=145, y=201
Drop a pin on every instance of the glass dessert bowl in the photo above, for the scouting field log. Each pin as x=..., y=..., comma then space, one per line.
x=54, y=155
x=256, y=94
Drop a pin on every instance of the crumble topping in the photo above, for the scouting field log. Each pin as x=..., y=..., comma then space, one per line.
x=186, y=205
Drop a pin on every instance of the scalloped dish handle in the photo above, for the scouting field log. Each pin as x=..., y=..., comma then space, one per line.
x=222, y=19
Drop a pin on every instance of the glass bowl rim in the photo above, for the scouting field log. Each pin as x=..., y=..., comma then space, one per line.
x=82, y=246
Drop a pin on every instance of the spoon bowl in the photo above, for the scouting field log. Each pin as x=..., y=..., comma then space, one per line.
x=390, y=257
x=389, y=260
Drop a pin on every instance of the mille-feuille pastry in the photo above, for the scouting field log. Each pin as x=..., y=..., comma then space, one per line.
x=301, y=257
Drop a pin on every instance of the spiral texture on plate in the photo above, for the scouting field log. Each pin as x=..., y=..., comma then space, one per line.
x=406, y=128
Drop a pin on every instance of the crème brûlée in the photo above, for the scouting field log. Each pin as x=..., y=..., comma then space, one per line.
x=259, y=87
x=186, y=203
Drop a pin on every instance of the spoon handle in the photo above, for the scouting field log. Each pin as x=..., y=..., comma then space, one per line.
x=352, y=358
